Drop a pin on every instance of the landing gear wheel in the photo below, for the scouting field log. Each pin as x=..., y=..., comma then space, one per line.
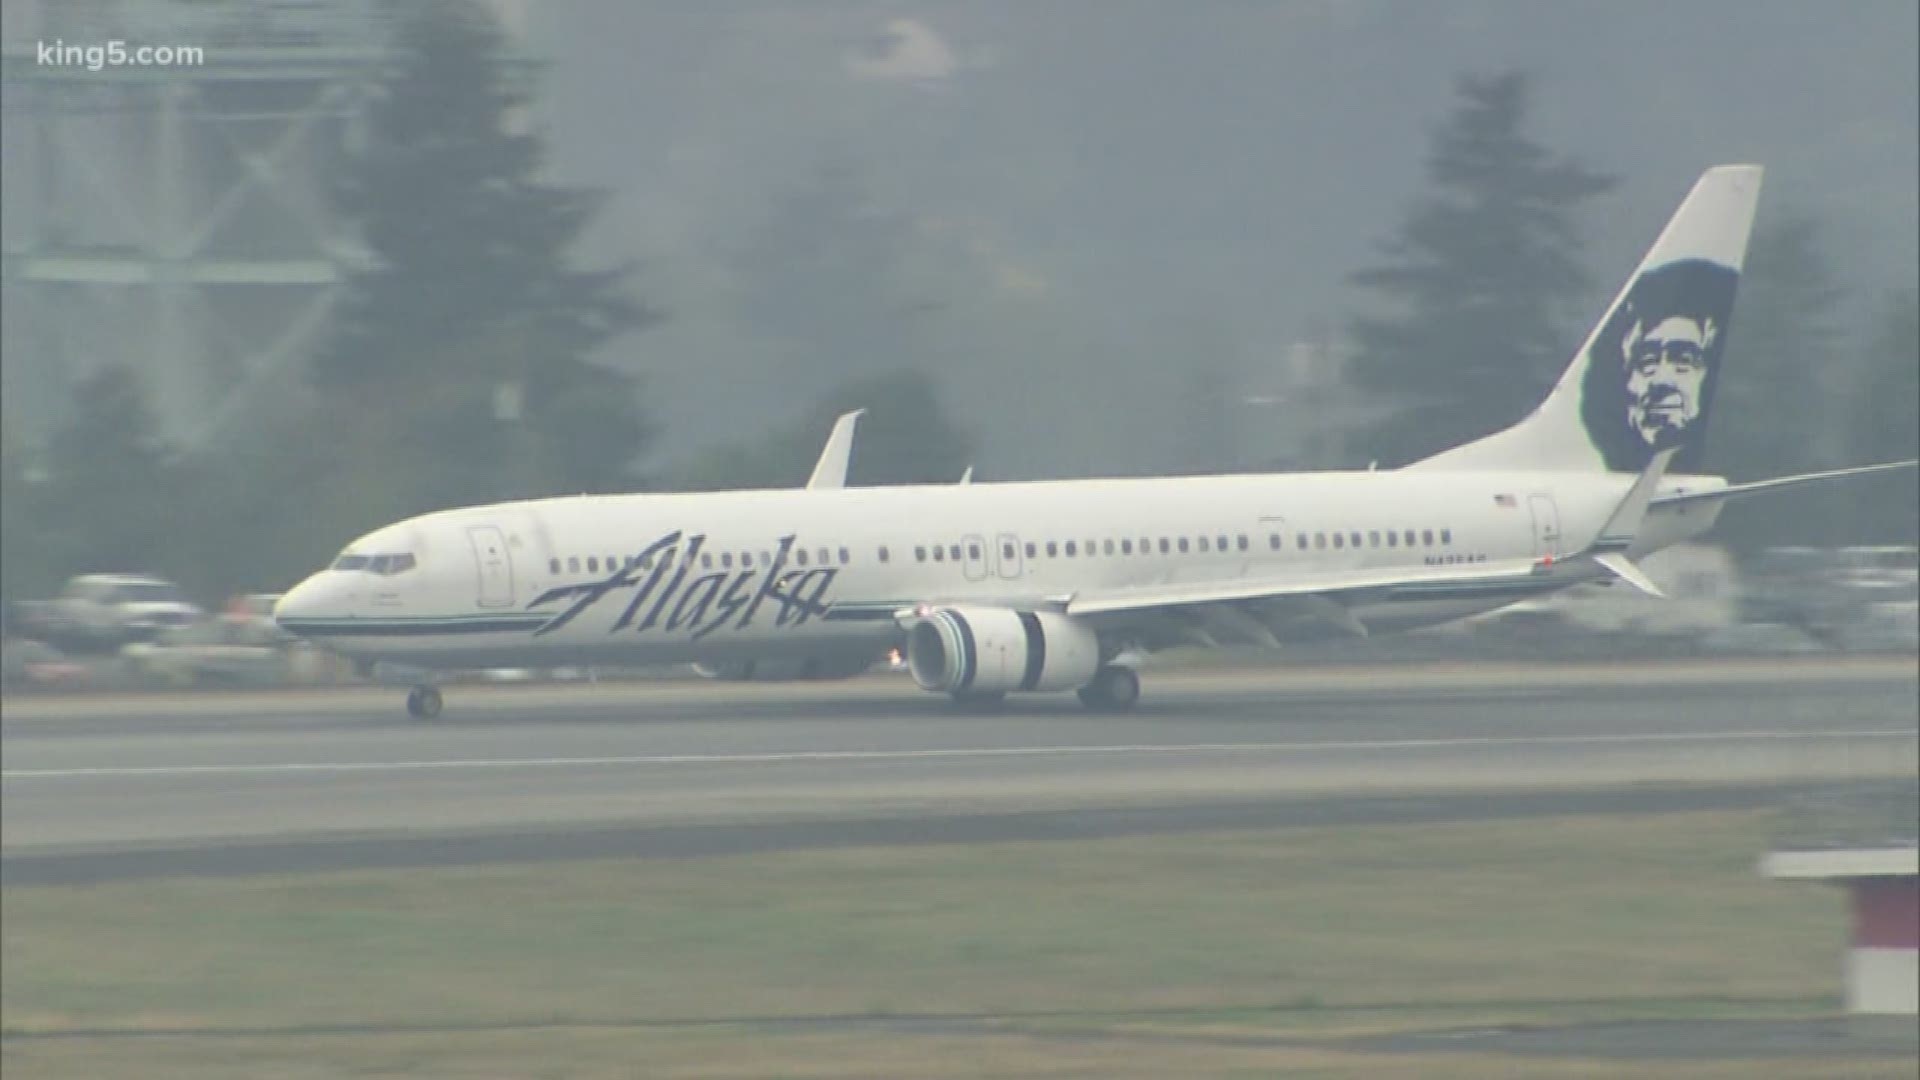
x=423, y=702
x=1113, y=689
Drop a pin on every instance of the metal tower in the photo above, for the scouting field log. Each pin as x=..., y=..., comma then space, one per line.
x=173, y=219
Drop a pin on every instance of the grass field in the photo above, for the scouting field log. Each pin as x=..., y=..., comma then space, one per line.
x=1229, y=954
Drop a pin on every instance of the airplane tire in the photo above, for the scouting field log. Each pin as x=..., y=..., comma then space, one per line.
x=423, y=702
x=1113, y=689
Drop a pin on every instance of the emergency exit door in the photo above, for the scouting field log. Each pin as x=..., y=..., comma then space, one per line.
x=493, y=564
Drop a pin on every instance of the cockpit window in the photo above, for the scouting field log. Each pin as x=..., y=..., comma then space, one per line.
x=384, y=565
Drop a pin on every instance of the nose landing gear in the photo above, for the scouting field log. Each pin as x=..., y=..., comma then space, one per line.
x=423, y=702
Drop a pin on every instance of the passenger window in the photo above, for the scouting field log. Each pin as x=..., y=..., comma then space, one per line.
x=1202, y=542
x=846, y=557
x=919, y=553
x=939, y=553
x=1163, y=545
x=1393, y=538
x=1126, y=546
x=746, y=558
x=883, y=553
x=1032, y=550
x=1219, y=543
x=1146, y=546
x=1373, y=537
x=1446, y=536
x=1106, y=547
x=1183, y=545
x=1273, y=541
x=573, y=564
x=825, y=556
x=1242, y=545
x=1320, y=540
x=706, y=560
x=1006, y=551
x=1409, y=537
x=1070, y=549
x=973, y=551
x=1301, y=541
x=726, y=560
x=1354, y=538
x=1336, y=540
x=766, y=558
x=954, y=550
x=553, y=566
x=1427, y=537
x=1053, y=549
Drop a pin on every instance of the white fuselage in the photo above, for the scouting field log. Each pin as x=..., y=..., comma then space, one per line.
x=634, y=579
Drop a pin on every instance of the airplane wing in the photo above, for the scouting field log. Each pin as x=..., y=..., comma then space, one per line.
x=831, y=470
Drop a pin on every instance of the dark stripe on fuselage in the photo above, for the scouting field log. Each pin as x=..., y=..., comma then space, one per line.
x=409, y=627
x=1036, y=650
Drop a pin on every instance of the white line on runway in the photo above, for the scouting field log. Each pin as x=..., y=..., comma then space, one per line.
x=952, y=752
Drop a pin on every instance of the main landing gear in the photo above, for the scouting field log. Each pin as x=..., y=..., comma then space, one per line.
x=1113, y=689
x=423, y=702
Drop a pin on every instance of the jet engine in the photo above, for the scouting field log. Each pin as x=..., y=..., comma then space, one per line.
x=984, y=650
x=787, y=668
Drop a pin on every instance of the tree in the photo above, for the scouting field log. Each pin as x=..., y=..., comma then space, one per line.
x=1882, y=425
x=1790, y=373
x=824, y=279
x=468, y=340
x=1477, y=279
x=905, y=438
x=107, y=494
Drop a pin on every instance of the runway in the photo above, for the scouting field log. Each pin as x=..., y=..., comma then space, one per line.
x=208, y=783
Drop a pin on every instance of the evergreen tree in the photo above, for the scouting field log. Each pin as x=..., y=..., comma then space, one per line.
x=468, y=339
x=111, y=498
x=1789, y=375
x=1477, y=280
x=1883, y=426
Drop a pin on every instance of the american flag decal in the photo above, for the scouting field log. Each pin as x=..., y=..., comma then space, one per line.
x=1506, y=501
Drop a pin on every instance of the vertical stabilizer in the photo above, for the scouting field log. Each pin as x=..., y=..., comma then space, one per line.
x=1644, y=380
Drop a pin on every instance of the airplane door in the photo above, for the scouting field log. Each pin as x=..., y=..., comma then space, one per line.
x=494, y=564
x=1009, y=560
x=1546, y=525
x=973, y=550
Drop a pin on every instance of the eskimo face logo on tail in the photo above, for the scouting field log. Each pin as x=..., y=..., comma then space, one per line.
x=1653, y=367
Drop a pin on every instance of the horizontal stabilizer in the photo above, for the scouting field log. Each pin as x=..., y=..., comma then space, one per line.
x=1779, y=482
x=1624, y=569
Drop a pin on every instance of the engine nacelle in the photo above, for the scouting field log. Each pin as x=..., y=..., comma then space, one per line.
x=787, y=668
x=982, y=650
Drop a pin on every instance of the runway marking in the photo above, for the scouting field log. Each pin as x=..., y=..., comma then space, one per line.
x=775, y=757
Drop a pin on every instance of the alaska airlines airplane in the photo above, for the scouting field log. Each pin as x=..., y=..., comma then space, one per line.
x=992, y=589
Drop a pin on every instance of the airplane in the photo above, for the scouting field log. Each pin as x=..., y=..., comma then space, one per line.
x=992, y=589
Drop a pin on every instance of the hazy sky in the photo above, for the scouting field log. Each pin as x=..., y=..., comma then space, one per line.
x=1134, y=182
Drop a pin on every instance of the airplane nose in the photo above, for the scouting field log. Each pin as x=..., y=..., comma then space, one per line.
x=307, y=600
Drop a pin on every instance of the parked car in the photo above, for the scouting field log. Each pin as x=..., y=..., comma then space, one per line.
x=103, y=611
x=26, y=664
x=227, y=650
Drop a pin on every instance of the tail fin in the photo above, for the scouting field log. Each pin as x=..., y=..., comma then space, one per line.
x=1644, y=381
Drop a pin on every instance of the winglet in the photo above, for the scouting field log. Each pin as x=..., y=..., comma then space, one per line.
x=831, y=470
x=967, y=477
